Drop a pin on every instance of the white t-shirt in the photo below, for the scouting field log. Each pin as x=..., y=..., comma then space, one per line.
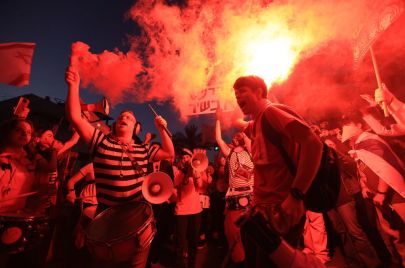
x=188, y=199
x=14, y=182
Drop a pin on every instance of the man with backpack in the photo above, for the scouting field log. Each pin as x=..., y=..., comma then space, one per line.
x=279, y=192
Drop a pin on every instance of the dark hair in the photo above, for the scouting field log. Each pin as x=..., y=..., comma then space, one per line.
x=186, y=151
x=253, y=82
x=239, y=137
x=353, y=117
x=40, y=132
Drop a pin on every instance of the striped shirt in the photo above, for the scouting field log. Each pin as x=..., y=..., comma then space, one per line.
x=118, y=180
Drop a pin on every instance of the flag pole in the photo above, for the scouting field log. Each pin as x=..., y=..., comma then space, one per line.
x=378, y=77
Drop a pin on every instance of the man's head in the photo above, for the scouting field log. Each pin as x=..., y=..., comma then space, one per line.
x=46, y=138
x=125, y=124
x=248, y=91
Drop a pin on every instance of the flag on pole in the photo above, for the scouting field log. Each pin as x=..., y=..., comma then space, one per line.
x=380, y=17
x=15, y=63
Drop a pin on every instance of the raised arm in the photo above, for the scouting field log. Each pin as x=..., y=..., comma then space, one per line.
x=167, y=149
x=70, y=143
x=73, y=108
x=248, y=143
x=218, y=135
x=379, y=129
x=395, y=107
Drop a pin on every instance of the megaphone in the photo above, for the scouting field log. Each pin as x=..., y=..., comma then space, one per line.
x=100, y=107
x=199, y=162
x=157, y=187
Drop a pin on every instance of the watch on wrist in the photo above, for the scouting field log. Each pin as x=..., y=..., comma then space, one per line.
x=297, y=193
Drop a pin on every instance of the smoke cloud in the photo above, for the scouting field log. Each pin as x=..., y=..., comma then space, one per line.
x=188, y=46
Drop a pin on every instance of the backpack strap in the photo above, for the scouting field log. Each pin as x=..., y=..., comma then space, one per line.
x=273, y=136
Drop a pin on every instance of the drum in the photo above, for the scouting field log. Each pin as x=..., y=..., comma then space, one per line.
x=237, y=202
x=22, y=230
x=117, y=233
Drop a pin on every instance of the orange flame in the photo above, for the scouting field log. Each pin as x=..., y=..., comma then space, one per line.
x=270, y=58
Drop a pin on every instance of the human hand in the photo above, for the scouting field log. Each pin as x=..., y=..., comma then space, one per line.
x=293, y=210
x=160, y=122
x=379, y=199
x=365, y=192
x=72, y=77
x=383, y=95
x=369, y=99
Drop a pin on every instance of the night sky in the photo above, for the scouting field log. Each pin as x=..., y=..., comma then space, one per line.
x=53, y=26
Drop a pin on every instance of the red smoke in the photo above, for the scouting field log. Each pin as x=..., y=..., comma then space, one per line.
x=183, y=49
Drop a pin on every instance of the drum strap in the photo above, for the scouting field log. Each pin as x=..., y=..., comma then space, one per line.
x=135, y=165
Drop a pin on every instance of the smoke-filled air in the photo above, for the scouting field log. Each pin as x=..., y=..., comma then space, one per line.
x=304, y=50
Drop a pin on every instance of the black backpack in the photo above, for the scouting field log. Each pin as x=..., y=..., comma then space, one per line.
x=323, y=193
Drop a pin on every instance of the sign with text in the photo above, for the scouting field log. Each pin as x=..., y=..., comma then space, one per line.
x=207, y=102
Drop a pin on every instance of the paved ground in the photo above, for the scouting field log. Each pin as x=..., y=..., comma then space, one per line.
x=213, y=256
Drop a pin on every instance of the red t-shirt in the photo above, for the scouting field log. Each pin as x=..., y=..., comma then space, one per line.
x=273, y=180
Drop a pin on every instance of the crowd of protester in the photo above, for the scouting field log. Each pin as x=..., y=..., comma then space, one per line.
x=62, y=214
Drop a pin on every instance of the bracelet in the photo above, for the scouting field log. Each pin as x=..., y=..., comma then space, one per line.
x=384, y=193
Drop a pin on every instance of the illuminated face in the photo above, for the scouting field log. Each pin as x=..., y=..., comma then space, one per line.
x=247, y=99
x=21, y=134
x=125, y=123
x=47, y=138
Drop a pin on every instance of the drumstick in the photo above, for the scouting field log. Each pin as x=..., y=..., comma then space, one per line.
x=18, y=196
x=156, y=115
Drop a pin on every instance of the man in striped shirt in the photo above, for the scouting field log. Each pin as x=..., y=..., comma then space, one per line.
x=119, y=162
